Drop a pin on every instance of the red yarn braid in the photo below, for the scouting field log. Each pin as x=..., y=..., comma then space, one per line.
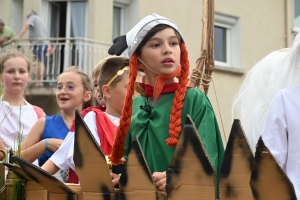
x=118, y=147
x=178, y=100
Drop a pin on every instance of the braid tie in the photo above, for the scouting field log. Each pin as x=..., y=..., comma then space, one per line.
x=178, y=100
x=118, y=147
x=161, y=79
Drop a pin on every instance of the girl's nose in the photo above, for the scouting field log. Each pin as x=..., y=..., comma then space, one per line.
x=17, y=75
x=167, y=49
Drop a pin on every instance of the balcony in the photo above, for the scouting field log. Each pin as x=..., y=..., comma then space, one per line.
x=80, y=52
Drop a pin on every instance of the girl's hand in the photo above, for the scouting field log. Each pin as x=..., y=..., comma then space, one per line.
x=115, y=179
x=160, y=179
x=54, y=144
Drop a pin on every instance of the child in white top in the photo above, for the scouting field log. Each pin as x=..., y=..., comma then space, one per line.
x=17, y=116
x=113, y=88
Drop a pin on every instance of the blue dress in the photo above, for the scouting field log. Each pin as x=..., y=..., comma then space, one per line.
x=55, y=127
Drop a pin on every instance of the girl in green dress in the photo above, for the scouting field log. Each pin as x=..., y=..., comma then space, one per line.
x=156, y=46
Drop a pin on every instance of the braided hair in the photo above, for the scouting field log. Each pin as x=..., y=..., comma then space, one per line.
x=178, y=100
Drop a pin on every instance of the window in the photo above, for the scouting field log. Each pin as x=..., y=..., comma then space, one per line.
x=120, y=16
x=226, y=41
x=16, y=15
x=118, y=21
x=66, y=19
x=297, y=16
x=125, y=16
x=220, y=40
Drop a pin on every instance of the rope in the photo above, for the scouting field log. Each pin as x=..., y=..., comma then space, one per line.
x=200, y=78
x=219, y=110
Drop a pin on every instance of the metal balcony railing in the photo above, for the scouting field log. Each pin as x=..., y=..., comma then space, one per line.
x=80, y=52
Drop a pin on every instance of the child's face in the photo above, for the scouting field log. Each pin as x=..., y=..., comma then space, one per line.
x=161, y=53
x=70, y=93
x=15, y=75
x=98, y=96
x=118, y=93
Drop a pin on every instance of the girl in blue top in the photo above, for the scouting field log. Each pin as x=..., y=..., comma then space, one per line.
x=73, y=90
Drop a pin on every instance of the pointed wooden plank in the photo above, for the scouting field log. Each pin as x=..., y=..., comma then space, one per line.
x=33, y=190
x=17, y=170
x=236, y=167
x=191, y=174
x=136, y=181
x=268, y=180
x=90, y=164
x=54, y=186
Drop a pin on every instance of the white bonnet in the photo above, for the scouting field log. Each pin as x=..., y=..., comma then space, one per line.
x=135, y=36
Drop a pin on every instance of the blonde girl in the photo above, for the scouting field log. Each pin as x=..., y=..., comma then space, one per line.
x=17, y=116
x=73, y=90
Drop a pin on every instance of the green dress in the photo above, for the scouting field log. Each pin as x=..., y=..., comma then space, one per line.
x=151, y=126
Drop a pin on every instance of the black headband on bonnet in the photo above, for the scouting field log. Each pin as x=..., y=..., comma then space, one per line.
x=119, y=46
x=135, y=36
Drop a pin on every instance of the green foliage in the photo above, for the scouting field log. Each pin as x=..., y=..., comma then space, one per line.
x=18, y=184
x=15, y=187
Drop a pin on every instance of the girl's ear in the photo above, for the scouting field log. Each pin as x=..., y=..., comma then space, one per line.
x=87, y=96
x=106, y=91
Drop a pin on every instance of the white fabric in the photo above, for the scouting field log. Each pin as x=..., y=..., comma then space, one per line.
x=281, y=133
x=276, y=71
x=113, y=119
x=11, y=117
x=63, y=157
x=135, y=36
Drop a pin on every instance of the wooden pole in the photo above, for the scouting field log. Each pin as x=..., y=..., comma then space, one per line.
x=201, y=75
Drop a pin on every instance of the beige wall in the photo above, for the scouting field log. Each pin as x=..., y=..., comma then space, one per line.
x=31, y=5
x=262, y=31
x=100, y=20
x=4, y=10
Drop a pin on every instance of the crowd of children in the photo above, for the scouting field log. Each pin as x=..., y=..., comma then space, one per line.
x=158, y=68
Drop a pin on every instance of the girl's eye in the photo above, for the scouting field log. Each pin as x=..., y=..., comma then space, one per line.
x=95, y=85
x=70, y=87
x=59, y=87
x=10, y=71
x=155, y=45
x=174, y=43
